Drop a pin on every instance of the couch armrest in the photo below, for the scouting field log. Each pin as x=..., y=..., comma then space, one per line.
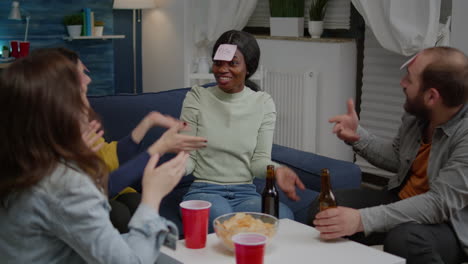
x=307, y=165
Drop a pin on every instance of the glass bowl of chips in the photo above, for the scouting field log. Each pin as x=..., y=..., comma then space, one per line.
x=230, y=224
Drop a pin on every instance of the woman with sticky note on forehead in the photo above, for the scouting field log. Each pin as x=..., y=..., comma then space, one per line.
x=238, y=120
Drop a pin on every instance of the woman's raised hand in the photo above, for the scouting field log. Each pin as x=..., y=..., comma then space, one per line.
x=172, y=141
x=154, y=119
x=159, y=181
x=91, y=134
x=346, y=125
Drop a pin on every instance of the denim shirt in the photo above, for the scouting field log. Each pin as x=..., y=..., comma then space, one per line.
x=447, y=198
x=65, y=219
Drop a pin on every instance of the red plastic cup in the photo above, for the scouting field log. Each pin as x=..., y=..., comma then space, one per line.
x=24, y=48
x=249, y=247
x=195, y=214
x=14, y=44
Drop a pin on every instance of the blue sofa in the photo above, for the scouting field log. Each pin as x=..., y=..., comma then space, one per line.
x=121, y=113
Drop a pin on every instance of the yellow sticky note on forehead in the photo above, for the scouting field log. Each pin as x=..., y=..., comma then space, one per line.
x=225, y=52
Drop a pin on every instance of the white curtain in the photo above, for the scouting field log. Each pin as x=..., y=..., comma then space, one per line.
x=213, y=17
x=404, y=26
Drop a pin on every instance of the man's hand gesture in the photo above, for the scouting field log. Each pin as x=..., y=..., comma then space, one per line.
x=287, y=181
x=346, y=125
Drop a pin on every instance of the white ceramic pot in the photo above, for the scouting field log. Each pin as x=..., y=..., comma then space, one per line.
x=5, y=53
x=74, y=30
x=98, y=30
x=315, y=28
x=287, y=26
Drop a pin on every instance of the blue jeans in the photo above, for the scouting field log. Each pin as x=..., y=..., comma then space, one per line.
x=230, y=198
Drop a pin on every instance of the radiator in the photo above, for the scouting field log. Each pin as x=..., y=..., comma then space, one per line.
x=295, y=99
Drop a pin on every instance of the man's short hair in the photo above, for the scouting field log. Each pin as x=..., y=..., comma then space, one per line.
x=448, y=74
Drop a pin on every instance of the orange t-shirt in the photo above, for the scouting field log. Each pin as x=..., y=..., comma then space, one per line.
x=417, y=182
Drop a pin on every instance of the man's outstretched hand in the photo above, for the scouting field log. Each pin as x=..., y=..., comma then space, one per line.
x=346, y=125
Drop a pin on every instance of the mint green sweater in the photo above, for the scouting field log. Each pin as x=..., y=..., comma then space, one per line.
x=239, y=128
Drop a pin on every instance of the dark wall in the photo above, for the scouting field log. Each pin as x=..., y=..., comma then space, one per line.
x=123, y=53
x=47, y=30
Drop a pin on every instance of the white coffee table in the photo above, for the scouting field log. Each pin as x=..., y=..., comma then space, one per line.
x=294, y=243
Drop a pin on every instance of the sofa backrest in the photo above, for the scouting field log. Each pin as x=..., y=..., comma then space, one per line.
x=121, y=113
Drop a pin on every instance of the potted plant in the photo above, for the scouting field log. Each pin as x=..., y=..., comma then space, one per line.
x=5, y=52
x=98, y=28
x=316, y=15
x=287, y=18
x=74, y=24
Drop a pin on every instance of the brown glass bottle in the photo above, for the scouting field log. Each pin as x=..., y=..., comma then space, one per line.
x=270, y=197
x=326, y=197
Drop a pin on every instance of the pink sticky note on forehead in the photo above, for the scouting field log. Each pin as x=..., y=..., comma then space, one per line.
x=225, y=52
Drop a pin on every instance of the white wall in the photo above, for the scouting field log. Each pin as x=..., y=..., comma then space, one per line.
x=336, y=65
x=164, y=46
x=459, y=36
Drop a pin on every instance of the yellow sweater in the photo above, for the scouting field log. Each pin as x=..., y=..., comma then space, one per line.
x=108, y=153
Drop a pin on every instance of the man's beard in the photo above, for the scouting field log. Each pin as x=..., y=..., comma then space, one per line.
x=416, y=107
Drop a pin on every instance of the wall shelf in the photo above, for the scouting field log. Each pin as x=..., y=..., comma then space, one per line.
x=103, y=37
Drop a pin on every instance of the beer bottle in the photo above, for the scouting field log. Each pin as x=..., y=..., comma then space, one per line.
x=270, y=197
x=326, y=197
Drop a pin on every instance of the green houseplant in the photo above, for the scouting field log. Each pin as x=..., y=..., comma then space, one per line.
x=286, y=8
x=316, y=14
x=317, y=10
x=287, y=18
x=74, y=19
x=5, y=51
x=74, y=24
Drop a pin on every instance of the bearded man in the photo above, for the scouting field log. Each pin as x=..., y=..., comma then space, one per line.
x=423, y=214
